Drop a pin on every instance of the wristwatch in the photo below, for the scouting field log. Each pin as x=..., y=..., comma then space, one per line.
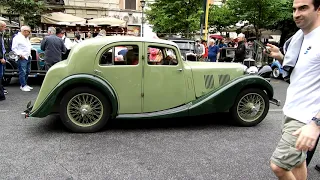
x=316, y=120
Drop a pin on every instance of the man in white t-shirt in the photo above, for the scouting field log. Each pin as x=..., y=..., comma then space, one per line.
x=302, y=107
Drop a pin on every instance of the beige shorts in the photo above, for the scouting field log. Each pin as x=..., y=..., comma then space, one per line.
x=286, y=155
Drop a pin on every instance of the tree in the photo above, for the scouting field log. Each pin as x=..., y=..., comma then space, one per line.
x=260, y=13
x=180, y=16
x=30, y=10
x=221, y=17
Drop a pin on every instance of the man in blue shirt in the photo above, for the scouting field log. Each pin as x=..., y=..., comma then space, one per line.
x=213, y=51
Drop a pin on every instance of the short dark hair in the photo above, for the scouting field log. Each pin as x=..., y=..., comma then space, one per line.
x=316, y=4
x=59, y=31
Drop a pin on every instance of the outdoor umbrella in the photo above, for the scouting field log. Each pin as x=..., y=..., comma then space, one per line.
x=110, y=21
x=214, y=36
x=60, y=18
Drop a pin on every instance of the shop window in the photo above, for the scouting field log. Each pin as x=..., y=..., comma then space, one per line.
x=120, y=55
x=131, y=4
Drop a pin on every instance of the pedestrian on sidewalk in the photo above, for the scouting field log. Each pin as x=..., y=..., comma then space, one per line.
x=22, y=47
x=301, y=63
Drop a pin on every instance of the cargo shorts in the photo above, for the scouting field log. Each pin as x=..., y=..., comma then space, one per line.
x=286, y=155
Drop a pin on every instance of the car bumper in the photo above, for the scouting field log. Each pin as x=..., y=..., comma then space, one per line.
x=275, y=102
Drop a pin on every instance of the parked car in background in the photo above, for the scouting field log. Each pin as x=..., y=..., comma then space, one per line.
x=114, y=77
x=37, y=63
x=187, y=48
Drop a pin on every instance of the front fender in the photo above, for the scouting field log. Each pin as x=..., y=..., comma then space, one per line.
x=276, y=64
x=45, y=108
x=223, y=98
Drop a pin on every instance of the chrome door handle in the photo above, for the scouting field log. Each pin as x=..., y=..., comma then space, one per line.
x=179, y=70
x=97, y=71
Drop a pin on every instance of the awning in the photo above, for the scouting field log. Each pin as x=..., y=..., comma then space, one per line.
x=59, y=18
x=110, y=21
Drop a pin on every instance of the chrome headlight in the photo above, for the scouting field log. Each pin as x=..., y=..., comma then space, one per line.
x=13, y=55
x=41, y=56
x=252, y=70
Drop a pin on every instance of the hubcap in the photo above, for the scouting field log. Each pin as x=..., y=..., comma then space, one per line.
x=85, y=110
x=251, y=107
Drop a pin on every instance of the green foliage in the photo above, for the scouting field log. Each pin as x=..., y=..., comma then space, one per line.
x=180, y=16
x=221, y=17
x=29, y=9
x=260, y=13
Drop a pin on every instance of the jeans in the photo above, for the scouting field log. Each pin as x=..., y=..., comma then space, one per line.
x=24, y=66
x=2, y=96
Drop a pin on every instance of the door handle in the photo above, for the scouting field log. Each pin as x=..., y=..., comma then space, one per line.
x=97, y=71
x=179, y=70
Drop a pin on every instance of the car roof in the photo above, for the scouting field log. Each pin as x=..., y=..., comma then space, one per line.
x=111, y=39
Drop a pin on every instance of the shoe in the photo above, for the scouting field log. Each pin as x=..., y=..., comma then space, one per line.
x=317, y=167
x=29, y=87
x=24, y=88
x=2, y=99
x=5, y=92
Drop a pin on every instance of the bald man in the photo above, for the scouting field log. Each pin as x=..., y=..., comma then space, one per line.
x=2, y=60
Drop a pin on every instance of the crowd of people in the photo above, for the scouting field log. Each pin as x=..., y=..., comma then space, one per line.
x=211, y=51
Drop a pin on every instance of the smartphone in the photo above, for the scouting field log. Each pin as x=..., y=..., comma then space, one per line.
x=262, y=46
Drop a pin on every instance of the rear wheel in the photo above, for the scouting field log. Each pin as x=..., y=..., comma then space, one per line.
x=84, y=110
x=250, y=108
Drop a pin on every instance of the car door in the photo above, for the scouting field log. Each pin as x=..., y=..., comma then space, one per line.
x=163, y=84
x=120, y=64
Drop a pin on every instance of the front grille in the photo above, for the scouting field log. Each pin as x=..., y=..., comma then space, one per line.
x=34, y=54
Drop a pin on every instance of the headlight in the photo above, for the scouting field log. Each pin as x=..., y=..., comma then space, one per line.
x=244, y=69
x=41, y=56
x=252, y=70
x=13, y=55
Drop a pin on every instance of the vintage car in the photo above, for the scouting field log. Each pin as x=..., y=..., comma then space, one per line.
x=277, y=71
x=37, y=63
x=187, y=48
x=95, y=85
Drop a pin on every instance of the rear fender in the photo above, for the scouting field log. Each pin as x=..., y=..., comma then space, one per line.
x=53, y=99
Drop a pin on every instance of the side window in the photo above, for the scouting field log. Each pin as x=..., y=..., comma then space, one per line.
x=120, y=55
x=162, y=56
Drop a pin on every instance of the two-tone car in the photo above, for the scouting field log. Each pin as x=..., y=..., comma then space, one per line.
x=99, y=82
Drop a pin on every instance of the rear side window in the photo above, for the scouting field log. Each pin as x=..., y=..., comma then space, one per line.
x=120, y=55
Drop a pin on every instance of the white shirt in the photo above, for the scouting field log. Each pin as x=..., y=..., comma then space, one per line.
x=67, y=42
x=303, y=94
x=21, y=45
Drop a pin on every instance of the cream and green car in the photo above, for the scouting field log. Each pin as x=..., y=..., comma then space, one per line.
x=136, y=78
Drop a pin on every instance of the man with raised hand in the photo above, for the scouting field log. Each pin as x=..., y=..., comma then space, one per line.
x=302, y=118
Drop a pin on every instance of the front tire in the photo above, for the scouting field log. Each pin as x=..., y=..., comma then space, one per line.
x=84, y=110
x=250, y=107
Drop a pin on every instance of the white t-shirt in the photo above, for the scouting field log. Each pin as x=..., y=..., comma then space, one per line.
x=303, y=94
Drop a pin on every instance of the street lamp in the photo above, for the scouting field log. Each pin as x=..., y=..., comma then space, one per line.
x=143, y=3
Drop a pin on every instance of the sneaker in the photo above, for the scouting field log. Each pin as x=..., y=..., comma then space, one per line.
x=29, y=87
x=5, y=92
x=24, y=88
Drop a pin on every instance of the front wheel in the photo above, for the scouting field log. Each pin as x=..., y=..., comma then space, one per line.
x=84, y=110
x=250, y=108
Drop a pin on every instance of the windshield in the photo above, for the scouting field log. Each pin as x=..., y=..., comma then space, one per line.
x=186, y=45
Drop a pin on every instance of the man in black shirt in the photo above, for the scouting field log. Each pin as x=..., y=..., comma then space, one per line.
x=240, y=53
